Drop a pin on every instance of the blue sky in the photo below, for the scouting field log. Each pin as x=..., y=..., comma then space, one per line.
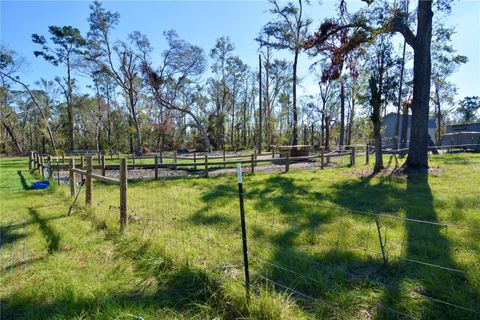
x=201, y=23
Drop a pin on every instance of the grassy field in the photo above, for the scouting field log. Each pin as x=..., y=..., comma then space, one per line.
x=313, y=246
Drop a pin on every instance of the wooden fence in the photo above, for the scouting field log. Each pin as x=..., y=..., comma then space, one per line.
x=196, y=162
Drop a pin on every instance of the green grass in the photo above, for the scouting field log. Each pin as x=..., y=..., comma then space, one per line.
x=181, y=254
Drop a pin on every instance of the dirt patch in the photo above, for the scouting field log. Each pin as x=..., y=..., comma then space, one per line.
x=146, y=174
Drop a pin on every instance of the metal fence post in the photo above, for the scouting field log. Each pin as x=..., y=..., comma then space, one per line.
x=123, y=194
x=244, y=233
x=206, y=166
x=89, y=182
x=71, y=166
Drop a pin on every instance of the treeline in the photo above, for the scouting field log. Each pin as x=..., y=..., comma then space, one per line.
x=142, y=100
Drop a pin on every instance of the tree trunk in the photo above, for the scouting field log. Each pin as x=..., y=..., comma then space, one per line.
x=294, y=102
x=11, y=133
x=138, y=136
x=342, y=112
x=71, y=124
x=399, y=103
x=351, y=117
x=375, y=102
x=439, y=116
x=417, y=160
x=403, y=140
x=232, y=129
x=327, y=133
x=311, y=135
x=268, y=107
x=259, y=147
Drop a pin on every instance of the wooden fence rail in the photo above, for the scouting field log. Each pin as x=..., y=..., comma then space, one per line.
x=36, y=161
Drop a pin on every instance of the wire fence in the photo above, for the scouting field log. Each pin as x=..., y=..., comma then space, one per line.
x=322, y=255
x=335, y=246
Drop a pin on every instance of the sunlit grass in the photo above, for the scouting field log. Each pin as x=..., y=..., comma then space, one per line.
x=181, y=254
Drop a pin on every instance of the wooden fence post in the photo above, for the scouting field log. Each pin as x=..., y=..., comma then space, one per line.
x=89, y=182
x=156, y=166
x=63, y=157
x=123, y=194
x=161, y=157
x=287, y=163
x=273, y=153
x=367, y=155
x=352, y=157
x=175, y=160
x=102, y=161
x=253, y=163
x=99, y=155
x=206, y=166
x=133, y=156
x=49, y=166
x=322, y=158
x=30, y=161
x=58, y=172
x=42, y=167
x=82, y=166
x=224, y=164
x=71, y=166
x=195, y=161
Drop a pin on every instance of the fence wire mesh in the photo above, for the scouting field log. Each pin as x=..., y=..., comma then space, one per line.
x=321, y=255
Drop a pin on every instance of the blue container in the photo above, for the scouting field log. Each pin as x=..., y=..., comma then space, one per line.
x=41, y=184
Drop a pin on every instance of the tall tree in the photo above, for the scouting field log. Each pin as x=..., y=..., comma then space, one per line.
x=221, y=53
x=388, y=20
x=10, y=64
x=68, y=47
x=287, y=32
x=120, y=60
x=183, y=64
x=468, y=108
x=445, y=62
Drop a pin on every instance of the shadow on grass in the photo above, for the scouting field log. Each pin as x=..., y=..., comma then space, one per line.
x=343, y=272
x=11, y=233
x=25, y=186
x=175, y=289
x=51, y=236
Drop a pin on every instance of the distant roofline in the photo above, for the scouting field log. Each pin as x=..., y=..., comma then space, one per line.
x=462, y=124
x=461, y=132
